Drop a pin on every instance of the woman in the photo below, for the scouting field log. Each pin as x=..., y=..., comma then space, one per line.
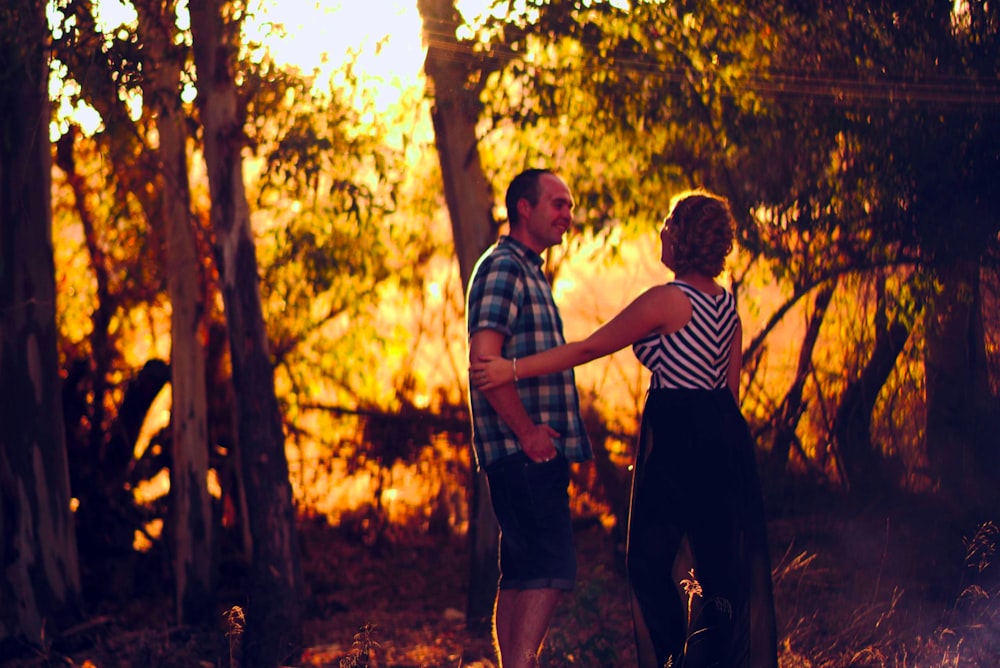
x=698, y=564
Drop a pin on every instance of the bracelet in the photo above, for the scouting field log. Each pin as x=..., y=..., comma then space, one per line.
x=514, y=365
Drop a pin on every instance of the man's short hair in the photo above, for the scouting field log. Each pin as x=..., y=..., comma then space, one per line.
x=524, y=186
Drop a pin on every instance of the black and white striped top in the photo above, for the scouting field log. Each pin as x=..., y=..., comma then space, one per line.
x=697, y=355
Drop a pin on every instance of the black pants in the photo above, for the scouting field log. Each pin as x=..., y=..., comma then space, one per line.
x=698, y=563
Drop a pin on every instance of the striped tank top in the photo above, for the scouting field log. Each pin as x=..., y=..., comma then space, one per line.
x=697, y=355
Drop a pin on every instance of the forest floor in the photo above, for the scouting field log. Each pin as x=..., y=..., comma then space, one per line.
x=851, y=591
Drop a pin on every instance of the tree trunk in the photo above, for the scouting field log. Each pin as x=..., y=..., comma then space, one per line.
x=122, y=144
x=450, y=70
x=787, y=418
x=961, y=411
x=190, y=518
x=869, y=473
x=274, y=615
x=455, y=112
x=39, y=571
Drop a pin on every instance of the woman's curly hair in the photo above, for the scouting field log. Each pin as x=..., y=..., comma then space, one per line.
x=703, y=230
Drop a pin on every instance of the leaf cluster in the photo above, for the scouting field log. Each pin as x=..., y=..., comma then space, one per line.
x=857, y=143
x=843, y=133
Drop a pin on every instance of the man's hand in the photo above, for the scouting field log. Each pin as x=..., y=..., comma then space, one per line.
x=537, y=443
x=535, y=439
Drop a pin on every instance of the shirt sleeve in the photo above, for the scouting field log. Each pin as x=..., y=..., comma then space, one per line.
x=496, y=295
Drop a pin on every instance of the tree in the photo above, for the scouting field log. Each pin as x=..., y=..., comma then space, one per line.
x=317, y=152
x=455, y=85
x=191, y=518
x=40, y=582
x=116, y=195
x=148, y=166
x=274, y=616
x=867, y=468
x=909, y=134
x=786, y=417
x=455, y=88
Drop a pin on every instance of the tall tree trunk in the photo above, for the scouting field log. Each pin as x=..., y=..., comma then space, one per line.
x=455, y=86
x=787, y=417
x=99, y=466
x=961, y=411
x=39, y=571
x=868, y=471
x=190, y=519
x=96, y=465
x=455, y=113
x=274, y=614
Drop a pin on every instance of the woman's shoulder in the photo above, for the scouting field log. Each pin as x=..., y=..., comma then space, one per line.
x=665, y=292
x=667, y=306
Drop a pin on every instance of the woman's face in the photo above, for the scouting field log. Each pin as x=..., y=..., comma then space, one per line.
x=667, y=245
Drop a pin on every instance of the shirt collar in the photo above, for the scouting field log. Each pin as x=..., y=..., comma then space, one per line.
x=521, y=249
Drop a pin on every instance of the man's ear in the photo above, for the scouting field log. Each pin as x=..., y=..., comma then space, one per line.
x=523, y=209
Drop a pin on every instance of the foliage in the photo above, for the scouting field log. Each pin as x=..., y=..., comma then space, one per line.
x=829, y=141
x=103, y=265
x=590, y=631
x=337, y=232
x=632, y=105
x=361, y=649
x=844, y=135
x=910, y=140
x=334, y=237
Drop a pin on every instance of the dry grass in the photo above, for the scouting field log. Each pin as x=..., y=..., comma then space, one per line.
x=848, y=605
x=849, y=594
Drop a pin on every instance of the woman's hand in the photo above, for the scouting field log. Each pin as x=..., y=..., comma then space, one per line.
x=491, y=372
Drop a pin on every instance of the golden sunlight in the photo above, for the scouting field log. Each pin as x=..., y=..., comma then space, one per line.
x=323, y=35
x=317, y=36
x=143, y=540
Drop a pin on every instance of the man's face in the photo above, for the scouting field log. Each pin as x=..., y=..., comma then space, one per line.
x=545, y=223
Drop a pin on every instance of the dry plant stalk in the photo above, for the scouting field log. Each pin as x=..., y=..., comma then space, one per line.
x=236, y=622
x=362, y=654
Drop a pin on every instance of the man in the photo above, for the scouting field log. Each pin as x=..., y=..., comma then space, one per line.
x=526, y=433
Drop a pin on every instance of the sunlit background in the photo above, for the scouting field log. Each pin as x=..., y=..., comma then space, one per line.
x=386, y=47
x=363, y=304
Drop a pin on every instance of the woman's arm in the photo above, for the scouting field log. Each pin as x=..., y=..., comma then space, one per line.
x=659, y=309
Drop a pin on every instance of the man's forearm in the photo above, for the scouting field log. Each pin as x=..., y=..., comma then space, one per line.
x=508, y=405
x=504, y=399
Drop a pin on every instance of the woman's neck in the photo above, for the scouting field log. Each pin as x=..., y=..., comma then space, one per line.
x=700, y=282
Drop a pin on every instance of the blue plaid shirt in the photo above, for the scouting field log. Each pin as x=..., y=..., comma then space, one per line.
x=509, y=293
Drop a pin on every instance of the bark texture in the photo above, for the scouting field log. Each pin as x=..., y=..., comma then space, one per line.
x=962, y=448
x=274, y=613
x=455, y=112
x=39, y=571
x=190, y=519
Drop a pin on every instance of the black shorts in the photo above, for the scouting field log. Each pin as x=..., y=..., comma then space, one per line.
x=531, y=504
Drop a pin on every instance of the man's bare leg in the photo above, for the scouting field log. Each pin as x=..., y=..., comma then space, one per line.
x=521, y=621
x=502, y=615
